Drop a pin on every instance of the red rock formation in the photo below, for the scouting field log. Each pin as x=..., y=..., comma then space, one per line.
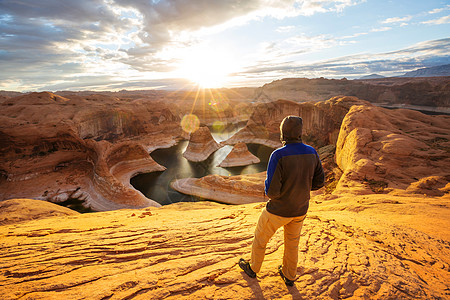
x=55, y=148
x=392, y=148
x=239, y=156
x=201, y=145
x=321, y=121
x=432, y=92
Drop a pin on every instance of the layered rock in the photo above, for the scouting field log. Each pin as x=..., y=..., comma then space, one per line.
x=431, y=92
x=391, y=149
x=20, y=210
x=362, y=247
x=225, y=189
x=201, y=145
x=321, y=121
x=239, y=156
x=56, y=148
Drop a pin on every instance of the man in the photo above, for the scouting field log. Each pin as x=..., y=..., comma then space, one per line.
x=293, y=171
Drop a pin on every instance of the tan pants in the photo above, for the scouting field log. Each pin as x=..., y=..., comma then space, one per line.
x=267, y=225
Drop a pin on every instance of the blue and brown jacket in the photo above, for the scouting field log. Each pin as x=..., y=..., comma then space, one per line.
x=293, y=171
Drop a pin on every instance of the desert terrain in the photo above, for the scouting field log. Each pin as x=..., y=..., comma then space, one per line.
x=379, y=229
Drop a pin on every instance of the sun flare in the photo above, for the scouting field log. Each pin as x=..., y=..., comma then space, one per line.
x=207, y=67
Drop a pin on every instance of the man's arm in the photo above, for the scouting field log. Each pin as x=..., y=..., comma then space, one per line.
x=273, y=180
x=319, y=176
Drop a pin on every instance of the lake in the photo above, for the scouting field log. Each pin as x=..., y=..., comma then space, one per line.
x=156, y=185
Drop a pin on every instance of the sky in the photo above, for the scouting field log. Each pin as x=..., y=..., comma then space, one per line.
x=53, y=45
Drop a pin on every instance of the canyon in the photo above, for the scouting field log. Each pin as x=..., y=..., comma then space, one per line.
x=385, y=170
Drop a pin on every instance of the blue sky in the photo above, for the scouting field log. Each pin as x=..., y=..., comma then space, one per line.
x=143, y=44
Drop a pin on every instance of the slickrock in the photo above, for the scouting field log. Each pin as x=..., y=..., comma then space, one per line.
x=201, y=145
x=191, y=250
x=385, y=150
x=321, y=121
x=17, y=210
x=239, y=156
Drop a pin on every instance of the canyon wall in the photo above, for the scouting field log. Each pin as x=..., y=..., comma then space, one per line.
x=432, y=92
x=321, y=121
x=58, y=149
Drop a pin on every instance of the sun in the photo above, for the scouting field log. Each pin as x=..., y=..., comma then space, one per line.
x=207, y=67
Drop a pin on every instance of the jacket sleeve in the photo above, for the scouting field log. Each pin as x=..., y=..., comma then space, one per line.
x=319, y=176
x=273, y=180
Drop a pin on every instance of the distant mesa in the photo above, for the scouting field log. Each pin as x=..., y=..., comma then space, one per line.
x=41, y=98
x=201, y=145
x=372, y=76
x=443, y=70
x=239, y=156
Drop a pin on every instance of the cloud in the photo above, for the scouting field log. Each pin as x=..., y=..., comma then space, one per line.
x=284, y=29
x=439, y=21
x=385, y=28
x=425, y=54
x=397, y=20
x=438, y=10
x=99, y=34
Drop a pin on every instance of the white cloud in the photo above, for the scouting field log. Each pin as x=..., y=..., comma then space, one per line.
x=396, y=20
x=284, y=29
x=439, y=21
x=425, y=54
x=438, y=10
x=386, y=28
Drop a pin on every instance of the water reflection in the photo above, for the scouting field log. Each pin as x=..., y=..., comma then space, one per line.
x=156, y=185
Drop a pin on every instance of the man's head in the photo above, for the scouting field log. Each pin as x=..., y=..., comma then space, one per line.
x=291, y=129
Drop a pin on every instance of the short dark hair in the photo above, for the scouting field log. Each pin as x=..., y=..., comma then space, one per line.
x=291, y=129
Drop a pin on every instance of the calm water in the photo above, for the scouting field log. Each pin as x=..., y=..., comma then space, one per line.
x=156, y=185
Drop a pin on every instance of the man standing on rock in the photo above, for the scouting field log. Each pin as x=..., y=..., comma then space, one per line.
x=293, y=171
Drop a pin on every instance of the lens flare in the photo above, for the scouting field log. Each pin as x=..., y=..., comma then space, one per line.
x=218, y=126
x=218, y=104
x=190, y=123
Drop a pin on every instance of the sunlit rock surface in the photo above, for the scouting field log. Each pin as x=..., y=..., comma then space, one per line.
x=56, y=148
x=226, y=189
x=364, y=247
x=385, y=150
x=239, y=156
x=201, y=145
x=321, y=121
x=18, y=210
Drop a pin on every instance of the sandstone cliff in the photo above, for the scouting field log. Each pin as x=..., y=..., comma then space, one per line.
x=239, y=156
x=55, y=148
x=321, y=121
x=393, y=149
x=201, y=145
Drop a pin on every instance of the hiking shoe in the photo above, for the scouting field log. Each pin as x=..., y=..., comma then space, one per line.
x=287, y=281
x=245, y=265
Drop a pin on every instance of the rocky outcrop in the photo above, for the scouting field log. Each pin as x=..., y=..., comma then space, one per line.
x=20, y=210
x=55, y=148
x=321, y=121
x=392, y=149
x=362, y=247
x=225, y=189
x=239, y=156
x=201, y=145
